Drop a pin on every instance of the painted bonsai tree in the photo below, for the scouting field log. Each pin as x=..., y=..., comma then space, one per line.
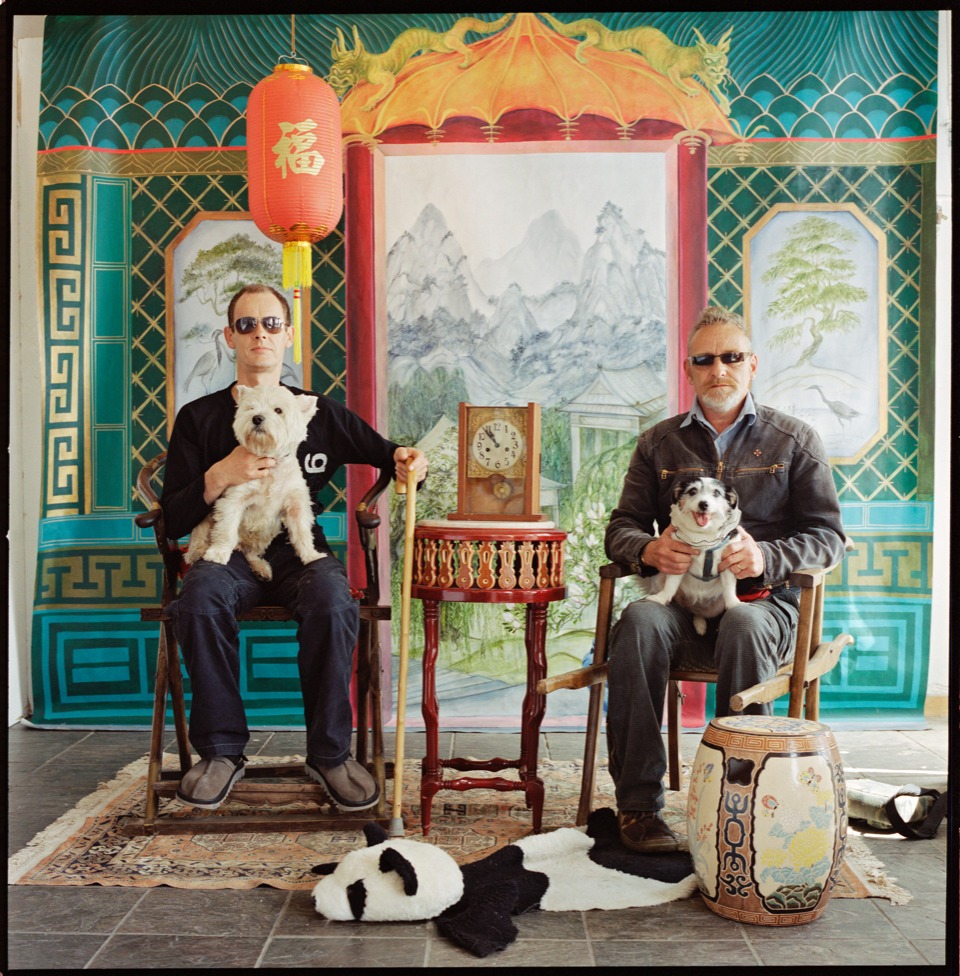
x=813, y=269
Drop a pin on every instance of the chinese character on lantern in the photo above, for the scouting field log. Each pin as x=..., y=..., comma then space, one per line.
x=294, y=147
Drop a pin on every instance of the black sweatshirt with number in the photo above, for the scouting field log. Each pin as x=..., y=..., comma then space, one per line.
x=203, y=434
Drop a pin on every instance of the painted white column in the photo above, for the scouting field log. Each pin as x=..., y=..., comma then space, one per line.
x=25, y=388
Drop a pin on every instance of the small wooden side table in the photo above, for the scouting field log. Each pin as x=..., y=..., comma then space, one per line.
x=487, y=562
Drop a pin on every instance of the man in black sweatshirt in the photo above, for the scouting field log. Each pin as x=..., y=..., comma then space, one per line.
x=203, y=460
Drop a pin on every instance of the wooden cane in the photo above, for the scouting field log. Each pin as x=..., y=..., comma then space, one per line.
x=410, y=488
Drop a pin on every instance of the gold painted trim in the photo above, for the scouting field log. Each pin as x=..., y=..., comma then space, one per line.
x=141, y=163
x=823, y=152
x=882, y=302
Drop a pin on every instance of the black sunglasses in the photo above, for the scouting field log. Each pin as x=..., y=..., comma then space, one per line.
x=727, y=358
x=246, y=325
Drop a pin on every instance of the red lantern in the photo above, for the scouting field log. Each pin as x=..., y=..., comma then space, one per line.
x=295, y=169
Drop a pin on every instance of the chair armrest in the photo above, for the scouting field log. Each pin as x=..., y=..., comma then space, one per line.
x=823, y=659
x=616, y=571
x=368, y=521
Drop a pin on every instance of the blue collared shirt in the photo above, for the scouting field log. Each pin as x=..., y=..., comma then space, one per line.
x=748, y=414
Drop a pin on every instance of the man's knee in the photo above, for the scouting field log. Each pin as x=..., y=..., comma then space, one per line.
x=207, y=587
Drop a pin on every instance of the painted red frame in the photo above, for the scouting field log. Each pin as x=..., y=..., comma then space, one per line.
x=365, y=289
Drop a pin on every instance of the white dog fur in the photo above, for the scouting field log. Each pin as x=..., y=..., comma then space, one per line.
x=269, y=422
x=705, y=515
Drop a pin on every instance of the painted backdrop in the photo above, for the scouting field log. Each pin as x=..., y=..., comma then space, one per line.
x=815, y=121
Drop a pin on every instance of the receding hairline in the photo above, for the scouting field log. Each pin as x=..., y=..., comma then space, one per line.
x=716, y=315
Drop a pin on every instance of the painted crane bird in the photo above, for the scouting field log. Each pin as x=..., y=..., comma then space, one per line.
x=842, y=411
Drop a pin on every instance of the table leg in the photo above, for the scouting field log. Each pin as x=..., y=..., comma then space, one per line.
x=534, y=707
x=431, y=775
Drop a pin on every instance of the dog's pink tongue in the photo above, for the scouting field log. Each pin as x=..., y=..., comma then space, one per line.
x=703, y=519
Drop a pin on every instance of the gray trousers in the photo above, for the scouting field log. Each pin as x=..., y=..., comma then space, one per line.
x=745, y=645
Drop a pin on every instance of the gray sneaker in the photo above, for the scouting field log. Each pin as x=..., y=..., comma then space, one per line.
x=207, y=783
x=348, y=785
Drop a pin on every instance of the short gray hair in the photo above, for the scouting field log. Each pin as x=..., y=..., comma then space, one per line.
x=716, y=315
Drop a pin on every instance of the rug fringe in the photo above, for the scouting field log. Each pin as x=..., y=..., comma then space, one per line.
x=870, y=868
x=69, y=823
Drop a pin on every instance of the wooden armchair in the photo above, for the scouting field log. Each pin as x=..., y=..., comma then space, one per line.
x=800, y=678
x=263, y=783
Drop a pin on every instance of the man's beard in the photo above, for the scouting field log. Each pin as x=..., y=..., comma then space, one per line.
x=721, y=398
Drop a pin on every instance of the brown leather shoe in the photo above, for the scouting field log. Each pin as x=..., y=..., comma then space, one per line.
x=645, y=831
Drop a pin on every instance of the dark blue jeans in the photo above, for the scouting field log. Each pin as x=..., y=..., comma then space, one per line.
x=204, y=619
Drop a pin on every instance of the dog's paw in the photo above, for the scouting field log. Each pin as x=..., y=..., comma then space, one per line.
x=218, y=554
x=660, y=598
x=260, y=567
x=699, y=625
x=311, y=556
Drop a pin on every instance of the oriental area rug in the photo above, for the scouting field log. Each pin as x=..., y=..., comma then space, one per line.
x=88, y=846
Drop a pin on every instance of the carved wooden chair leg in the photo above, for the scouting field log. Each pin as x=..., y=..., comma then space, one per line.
x=674, y=702
x=155, y=759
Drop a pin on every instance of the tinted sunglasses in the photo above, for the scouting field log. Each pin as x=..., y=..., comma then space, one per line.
x=246, y=325
x=727, y=358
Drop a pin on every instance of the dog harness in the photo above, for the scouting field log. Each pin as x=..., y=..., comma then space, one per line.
x=710, y=552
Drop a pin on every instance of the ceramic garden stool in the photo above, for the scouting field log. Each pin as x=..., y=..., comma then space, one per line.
x=767, y=818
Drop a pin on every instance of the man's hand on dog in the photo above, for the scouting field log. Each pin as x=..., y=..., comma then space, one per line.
x=743, y=557
x=237, y=468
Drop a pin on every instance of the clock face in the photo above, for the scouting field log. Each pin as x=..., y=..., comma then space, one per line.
x=497, y=445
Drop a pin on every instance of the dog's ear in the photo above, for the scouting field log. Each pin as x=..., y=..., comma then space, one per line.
x=307, y=405
x=242, y=390
x=678, y=489
x=733, y=500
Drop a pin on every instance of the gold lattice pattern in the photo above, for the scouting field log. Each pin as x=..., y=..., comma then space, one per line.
x=891, y=197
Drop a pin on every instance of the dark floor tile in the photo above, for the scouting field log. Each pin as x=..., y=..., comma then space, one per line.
x=917, y=919
x=339, y=953
x=843, y=918
x=68, y=910
x=25, y=743
x=670, y=954
x=206, y=913
x=523, y=953
x=51, y=951
x=181, y=952
x=680, y=921
x=300, y=918
x=551, y=925
x=860, y=952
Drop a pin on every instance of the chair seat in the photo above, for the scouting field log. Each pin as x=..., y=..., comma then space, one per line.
x=269, y=785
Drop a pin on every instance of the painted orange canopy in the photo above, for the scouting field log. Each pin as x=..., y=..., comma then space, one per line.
x=530, y=66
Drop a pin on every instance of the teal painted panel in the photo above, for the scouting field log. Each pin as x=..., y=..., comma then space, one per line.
x=111, y=456
x=110, y=389
x=110, y=305
x=112, y=221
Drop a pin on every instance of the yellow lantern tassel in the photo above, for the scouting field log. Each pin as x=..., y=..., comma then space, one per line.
x=297, y=274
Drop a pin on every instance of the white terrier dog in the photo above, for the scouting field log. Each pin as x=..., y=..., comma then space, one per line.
x=705, y=515
x=270, y=421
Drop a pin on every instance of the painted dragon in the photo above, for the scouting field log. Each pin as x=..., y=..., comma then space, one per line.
x=352, y=66
x=707, y=61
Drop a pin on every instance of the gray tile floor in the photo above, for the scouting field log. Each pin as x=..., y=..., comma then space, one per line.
x=162, y=928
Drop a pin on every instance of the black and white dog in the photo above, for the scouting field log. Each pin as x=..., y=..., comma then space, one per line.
x=705, y=515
